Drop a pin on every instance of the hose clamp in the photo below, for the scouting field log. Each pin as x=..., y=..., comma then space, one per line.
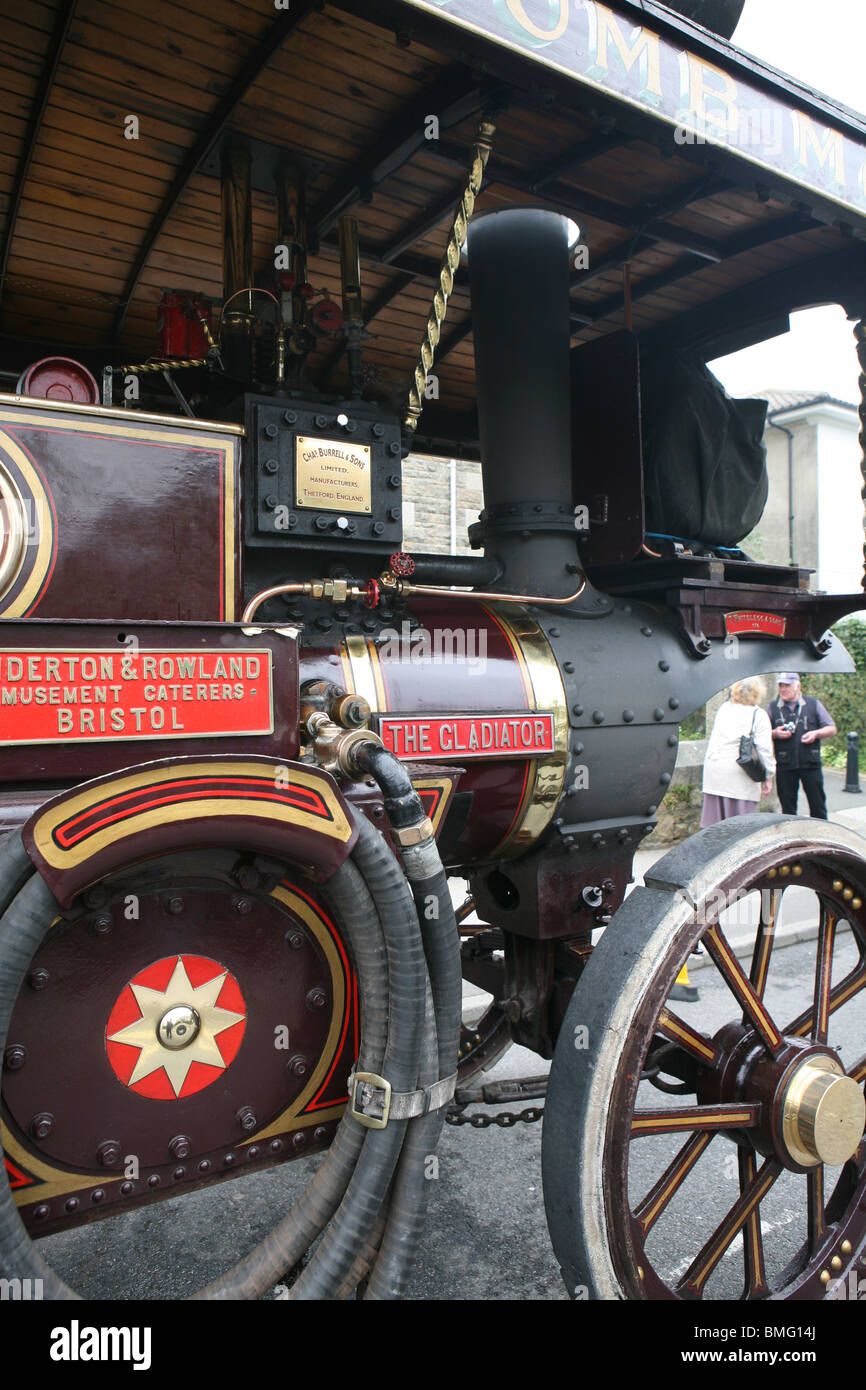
x=372, y=1102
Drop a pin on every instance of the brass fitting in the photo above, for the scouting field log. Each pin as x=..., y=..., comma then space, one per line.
x=415, y=834
x=350, y=711
x=332, y=745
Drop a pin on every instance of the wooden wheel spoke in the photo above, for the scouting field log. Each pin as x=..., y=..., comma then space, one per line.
x=729, y=967
x=695, y=1279
x=753, y=1241
x=671, y=1180
x=694, y=1117
x=823, y=971
x=696, y=1044
x=858, y=1071
x=770, y=902
x=815, y=1218
x=803, y=1024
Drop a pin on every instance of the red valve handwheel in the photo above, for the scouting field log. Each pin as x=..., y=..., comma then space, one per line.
x=402, y=564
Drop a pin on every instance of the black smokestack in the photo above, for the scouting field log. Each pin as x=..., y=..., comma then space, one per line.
x=519, y=276
x=719, y=16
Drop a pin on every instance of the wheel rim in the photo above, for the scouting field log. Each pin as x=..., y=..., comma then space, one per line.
x=767, y=1084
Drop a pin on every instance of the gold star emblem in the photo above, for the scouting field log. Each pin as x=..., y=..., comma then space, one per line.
x=162, y=1042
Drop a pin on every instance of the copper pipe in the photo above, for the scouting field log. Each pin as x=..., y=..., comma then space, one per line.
x=250, y=290
x=338, y=591
x=263, y=595
x=401, y=587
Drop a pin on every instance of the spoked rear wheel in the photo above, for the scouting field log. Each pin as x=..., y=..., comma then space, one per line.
x=715, y=1150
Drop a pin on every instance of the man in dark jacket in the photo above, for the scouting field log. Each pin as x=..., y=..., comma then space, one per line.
x=799, y=723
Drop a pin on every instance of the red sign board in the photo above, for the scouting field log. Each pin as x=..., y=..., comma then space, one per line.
x=443, y=736
x=72, y=695
x=768, y=624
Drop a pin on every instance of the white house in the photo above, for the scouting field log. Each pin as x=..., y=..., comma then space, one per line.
x=814, y=513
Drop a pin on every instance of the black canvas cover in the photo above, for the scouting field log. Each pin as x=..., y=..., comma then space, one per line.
x=705, y=462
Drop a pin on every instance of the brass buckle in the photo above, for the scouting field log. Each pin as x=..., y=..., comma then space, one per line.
x=370, y=1103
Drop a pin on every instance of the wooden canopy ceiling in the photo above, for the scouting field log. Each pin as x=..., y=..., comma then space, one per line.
x=94, y=225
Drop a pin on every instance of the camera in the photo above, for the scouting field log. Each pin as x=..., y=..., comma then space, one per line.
x=788, y=728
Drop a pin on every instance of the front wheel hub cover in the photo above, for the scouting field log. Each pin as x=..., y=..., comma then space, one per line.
x=823, y=1114
x=176, y=1027
x=166, y=1024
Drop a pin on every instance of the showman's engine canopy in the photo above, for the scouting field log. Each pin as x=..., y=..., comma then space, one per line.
x=253, y=751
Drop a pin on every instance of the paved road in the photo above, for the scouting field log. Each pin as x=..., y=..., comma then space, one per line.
x=486, y=1236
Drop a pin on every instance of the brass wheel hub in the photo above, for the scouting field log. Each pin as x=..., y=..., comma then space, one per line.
x=823, y=1114
x=178, y=1027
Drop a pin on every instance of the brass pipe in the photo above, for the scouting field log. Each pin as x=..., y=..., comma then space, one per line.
x=237, y=216
x=292, y=232
x=350, y=270
x=353, y=306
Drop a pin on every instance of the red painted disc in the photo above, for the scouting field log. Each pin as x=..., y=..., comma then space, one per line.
x=327, y=316
x=402, y=564
x=59, y=379
x=175, y=1027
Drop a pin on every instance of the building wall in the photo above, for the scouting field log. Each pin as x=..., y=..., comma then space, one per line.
x=427, y=510
x=840, y=514
x=770, y=539
x=828, y=510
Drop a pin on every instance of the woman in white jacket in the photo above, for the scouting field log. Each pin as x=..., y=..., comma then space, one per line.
x=728, y=788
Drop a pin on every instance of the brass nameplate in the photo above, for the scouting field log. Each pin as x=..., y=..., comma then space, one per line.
x=332, y=475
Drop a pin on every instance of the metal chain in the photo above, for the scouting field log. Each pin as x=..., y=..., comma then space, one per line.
x=860, y=335
x=506, y=1119
x=105, y=301
x=450, y=262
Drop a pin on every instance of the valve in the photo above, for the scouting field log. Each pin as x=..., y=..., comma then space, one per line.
x=401, y=564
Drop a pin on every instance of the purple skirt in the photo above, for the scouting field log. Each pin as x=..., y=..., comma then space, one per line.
x=718, y=808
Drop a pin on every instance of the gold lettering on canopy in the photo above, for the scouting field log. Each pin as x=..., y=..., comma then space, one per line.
x=643, y=47
x=827, y=149
x=518, y=11
x=709, y=89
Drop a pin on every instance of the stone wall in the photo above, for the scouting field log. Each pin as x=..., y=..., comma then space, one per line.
x=427, y=503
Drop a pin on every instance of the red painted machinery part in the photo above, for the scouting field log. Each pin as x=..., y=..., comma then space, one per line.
x=178, y=321
x=401, y=564
x=172, y=326
x=327, y=316
x=59, y=379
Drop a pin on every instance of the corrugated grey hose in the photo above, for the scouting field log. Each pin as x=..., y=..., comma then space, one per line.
x=354, y=1179
x=423, y=869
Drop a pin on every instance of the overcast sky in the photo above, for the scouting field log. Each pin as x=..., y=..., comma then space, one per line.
x=822, y=42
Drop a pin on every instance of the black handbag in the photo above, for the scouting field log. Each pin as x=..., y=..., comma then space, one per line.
x=749, y=759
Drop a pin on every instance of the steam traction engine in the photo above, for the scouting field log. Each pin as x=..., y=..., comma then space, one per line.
x=246, y=738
